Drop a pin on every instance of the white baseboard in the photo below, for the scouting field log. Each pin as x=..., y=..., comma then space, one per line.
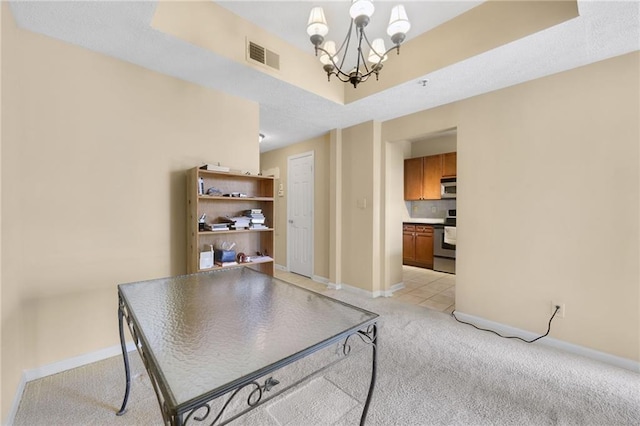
x=606, y=358
x=366, y=293
x=393, y=289
x=16, y=401
x=281, y=268
x=321, y=280
x=58, y=367
x=361, y=292
x=78, y=361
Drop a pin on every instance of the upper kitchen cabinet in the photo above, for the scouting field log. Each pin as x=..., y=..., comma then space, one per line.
x=413, y=169
x=431, y=176
x=449, y=164
x=422, y=175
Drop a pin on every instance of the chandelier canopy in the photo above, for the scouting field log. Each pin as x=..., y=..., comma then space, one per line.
x=360, y=12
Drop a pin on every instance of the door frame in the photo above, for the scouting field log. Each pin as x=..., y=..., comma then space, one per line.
x=313, y=205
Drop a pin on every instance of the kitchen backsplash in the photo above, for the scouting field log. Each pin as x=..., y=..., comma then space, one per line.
x=430, y=209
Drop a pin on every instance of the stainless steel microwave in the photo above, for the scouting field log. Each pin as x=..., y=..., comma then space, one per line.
x=448, y=188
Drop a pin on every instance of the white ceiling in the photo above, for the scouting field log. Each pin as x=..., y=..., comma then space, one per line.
x=289, y=114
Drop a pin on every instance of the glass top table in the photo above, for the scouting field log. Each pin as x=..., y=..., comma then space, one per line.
x=205, y=335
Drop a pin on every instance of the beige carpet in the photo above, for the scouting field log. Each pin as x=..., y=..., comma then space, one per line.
x=432, y=370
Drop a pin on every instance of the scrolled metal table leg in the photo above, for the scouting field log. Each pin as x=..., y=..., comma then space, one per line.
x=371, y=337
x=125, y=356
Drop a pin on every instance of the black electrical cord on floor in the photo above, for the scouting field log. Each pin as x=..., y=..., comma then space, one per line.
x=453, y=314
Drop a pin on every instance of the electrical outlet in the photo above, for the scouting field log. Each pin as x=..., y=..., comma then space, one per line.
x=415, y=209
x=561, y=311
x=434, y=209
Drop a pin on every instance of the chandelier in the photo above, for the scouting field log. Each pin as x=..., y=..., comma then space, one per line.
x=360, y=12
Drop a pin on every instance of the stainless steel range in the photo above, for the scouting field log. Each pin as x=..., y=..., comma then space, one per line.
x=444, y=245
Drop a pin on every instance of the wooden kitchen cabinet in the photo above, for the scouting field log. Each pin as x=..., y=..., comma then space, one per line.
x=408, y=244
x=422, y=175
x=431, y=177
x=413, y=179
x=449, y=164
x=417, y=245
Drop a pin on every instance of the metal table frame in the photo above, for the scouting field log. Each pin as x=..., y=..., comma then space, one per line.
x=198, y=409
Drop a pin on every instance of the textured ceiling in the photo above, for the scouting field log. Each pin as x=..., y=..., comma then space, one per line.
x=289, y=114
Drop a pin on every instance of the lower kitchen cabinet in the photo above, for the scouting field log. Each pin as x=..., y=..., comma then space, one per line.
x=417, y=245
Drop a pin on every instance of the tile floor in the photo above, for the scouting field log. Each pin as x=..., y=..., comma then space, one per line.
x=431, y=289
x=423, y=287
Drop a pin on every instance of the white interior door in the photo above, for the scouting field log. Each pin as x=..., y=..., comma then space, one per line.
x=300, y=214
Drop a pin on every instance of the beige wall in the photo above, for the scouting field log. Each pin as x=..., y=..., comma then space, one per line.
x=434, y=146
x=279, y=158
x=360, y=200
x=395, y=153
x=93, y=158
x=548, y=184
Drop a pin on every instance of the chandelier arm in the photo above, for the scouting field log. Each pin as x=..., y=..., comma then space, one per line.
x=360, y=49
x=364, y=62
x=367, y=40
x=345, y=45
x=396, y=47
x=381, y=57
x=337, y=72
x=339, y=77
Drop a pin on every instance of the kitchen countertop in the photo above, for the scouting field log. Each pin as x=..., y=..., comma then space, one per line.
x=423, y=220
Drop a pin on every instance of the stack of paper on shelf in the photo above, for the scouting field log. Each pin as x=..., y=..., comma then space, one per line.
x=256, y=217
x=219, y=226
x=240, y=222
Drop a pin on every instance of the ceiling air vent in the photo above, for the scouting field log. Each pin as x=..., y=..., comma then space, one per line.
x=263, y=56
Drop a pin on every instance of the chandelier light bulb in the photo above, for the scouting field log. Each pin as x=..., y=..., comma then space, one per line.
x=399, y=24
x=330, y=47
x=377, y=50
x=317, y=24
x=361, y=11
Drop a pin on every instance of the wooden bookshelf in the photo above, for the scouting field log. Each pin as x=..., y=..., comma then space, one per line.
x=257, y=193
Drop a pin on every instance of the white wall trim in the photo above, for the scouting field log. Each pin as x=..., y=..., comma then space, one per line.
x=372, y=294
x=59, y=367
x=393, y=289
x=16, y=401
x=281, y=268
x=614, y=360
x=78, y=361
x=358, y=290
